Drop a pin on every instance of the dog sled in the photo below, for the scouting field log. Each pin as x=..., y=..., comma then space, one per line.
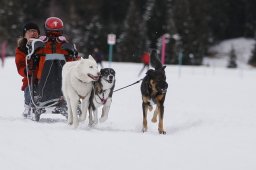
x=46, y=94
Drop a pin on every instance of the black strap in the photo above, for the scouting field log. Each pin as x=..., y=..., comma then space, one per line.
x=128, y=85
x=53, y=47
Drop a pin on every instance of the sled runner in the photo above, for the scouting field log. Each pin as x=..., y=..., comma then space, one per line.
x=46, y=94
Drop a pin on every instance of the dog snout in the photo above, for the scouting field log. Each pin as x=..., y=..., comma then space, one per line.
x=98, y=74
x=166, y=85
x=162, y=87
x=111, y=77
x=163, y=90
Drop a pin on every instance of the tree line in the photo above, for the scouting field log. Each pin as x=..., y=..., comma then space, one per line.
x=191, y=25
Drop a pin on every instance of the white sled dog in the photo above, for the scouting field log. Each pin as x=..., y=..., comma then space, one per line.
x=77, y=78
x=102, y=95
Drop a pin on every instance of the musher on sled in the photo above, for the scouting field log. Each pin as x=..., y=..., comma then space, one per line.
x=40, y=62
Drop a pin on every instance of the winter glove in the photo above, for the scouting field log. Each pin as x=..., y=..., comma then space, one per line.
x=34, y=45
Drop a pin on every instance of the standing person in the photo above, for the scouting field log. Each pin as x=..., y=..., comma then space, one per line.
x=30, y=30
x=145, y=58
x=98, y=56
x=3, y=52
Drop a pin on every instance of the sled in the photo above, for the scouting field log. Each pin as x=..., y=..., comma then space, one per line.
x=46, y=94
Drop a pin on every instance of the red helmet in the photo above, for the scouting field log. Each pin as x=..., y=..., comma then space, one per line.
x=53, y=27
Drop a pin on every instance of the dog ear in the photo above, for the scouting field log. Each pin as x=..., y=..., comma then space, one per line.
x=113, y=71
x=101, y=71
x=82, y=59
x=90, y=57
x=150, y=72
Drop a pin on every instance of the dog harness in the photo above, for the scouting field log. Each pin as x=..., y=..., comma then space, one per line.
x=102, y=99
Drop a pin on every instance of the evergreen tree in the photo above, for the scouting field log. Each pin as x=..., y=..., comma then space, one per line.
x=252, y=60
x=95, y=35
x=85, y=26
x=198, y=22
x=186, y=29
x=131, y=42
x=10, y=16
x=199, y=11
x=232, y=59
x=250, y=18
x=171, y=46
x=157, y=23
x=191, y=21
x=147, y=10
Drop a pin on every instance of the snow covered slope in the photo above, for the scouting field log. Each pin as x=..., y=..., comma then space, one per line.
x=210, y=119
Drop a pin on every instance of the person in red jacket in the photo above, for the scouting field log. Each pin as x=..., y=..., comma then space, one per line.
x=145, y=58
x=52, y=56
x=30, y=30
x=53, y=39
x=53, y=48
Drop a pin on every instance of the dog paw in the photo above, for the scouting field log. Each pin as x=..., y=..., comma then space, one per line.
x=162, y=132
x=92, y=124
x=75, y=124
x=70, y=122
x=144, y=129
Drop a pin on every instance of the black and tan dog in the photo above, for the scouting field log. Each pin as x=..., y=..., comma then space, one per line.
x=153, y=90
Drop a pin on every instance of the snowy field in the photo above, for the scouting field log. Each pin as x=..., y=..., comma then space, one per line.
x=210, y=119
x=242, y=47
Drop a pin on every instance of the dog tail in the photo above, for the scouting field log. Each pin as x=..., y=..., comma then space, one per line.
x=154, y=60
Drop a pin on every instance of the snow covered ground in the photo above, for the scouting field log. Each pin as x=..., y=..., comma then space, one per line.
x=243, y=49
x=210, y=119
